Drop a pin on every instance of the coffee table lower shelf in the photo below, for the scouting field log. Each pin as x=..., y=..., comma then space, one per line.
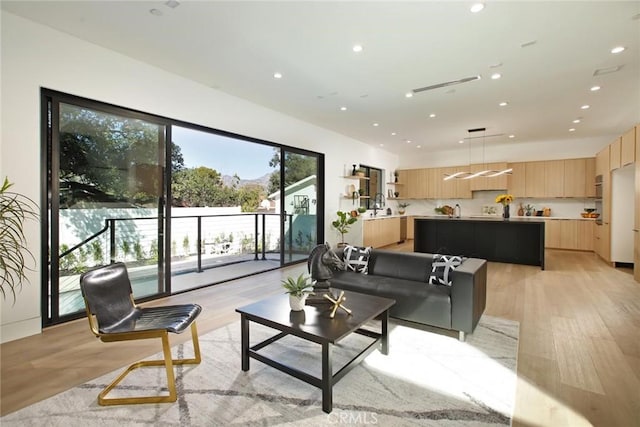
x=327, y=381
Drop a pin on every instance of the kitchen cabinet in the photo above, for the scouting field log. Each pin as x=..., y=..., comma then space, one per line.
x=554, y=178
x=628, y=147
x=434, y=183
x=579, y=178
x=494, y=183
x=590, y=176
x=534, y=179
x=636, y=256
x=449, y=186
x=572, y=234
x=602, y=241
x=614, y=154
x=602, y=161
x=381, y=232
x=410, y=227
x=516, y=181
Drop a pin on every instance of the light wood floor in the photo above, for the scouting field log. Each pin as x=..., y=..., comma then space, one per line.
x=578, y=357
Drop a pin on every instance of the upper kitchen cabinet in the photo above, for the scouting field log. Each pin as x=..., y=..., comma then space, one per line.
x=534, y=179
x=602, y=162
x=614, y=154
x=554, y=178
x=494, y=183
x=628, y=148
x=579, y=177
x=516, y=181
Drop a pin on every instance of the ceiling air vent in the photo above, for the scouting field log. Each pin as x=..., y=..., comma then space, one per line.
x=445, y=84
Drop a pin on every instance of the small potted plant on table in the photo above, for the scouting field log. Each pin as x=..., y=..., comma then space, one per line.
x=298, y=289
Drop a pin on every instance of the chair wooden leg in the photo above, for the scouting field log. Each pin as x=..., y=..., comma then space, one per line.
x=167, y=362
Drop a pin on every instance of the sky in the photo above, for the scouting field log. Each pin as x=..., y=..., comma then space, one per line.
x=228, y=156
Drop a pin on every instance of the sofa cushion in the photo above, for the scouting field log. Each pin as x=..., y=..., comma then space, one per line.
x=403, y=265
x=356, y=259
x=441, y=268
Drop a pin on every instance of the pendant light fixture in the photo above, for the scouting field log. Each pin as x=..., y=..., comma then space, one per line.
x=485, y=173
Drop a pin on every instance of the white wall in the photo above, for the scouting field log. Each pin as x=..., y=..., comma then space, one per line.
x=35, y=56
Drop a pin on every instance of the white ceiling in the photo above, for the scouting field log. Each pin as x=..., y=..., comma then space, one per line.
x=237, y=46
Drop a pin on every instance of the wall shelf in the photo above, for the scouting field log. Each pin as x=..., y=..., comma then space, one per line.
x=394, y=183
x=355, y=177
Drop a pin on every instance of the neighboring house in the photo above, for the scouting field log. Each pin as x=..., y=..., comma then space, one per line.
x=299, y=197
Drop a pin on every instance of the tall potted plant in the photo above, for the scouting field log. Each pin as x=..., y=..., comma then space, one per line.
x=342, y=224
x=15, y=209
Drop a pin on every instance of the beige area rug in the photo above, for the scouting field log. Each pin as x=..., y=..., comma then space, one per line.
x=428, y=378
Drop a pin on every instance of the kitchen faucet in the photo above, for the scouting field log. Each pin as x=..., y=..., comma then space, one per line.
x=378, y=203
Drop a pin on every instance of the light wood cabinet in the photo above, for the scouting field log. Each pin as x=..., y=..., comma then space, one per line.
x=410, y=227
x=590, y=176
x=463, y=186
x=494, y=183
x=449, y=186
x=571, y=234
x=636, y=256
x=628, y=147
x=602, y=161
x=579, y=177
x=534, y=179
x=585, y=235
x=381, y=232
x=434, y=183
x=554, y=178
x=614, y=154
x=516, y=181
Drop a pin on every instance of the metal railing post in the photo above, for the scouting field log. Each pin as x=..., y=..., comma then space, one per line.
x=112, y=240
x=290, y=237
x=263, y=237
x=256, y=237
x=199, y=246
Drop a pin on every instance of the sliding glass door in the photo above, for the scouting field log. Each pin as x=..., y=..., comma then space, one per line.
x=105, y=201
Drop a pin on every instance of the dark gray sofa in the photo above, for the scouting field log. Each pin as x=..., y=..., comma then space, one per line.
x=404, y=276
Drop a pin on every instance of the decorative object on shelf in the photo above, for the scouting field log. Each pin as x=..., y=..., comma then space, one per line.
x=354, y=171
x=360, y=172
x=361, y=191
x=505, y=200
x=342, y=225
x=521, y=210
x=402, y=206
x=395, y=176
x=529, y=209
x=337, y=303
x=16, y=209
x=396, y=194
x=362, y=209
x=354, y=197
x=390, y=193
x=298, y=289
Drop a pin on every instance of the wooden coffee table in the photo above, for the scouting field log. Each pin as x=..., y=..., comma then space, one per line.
x=317, y=327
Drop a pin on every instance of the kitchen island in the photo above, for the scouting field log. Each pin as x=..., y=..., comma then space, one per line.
x=517, y=240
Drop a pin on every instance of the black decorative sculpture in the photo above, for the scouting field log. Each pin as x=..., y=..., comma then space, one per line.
x=321, y=263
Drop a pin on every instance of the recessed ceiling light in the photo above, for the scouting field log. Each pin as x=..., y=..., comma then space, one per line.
x=393, y=134
x=343, y=108
x=155, y=12
x=408, y=141
x=277, y=75
x=594, y=88
x=572, y=130
x=512, y=136
x=496, y=76
x=503, y=104
x=418, y=146
x=476, y=7
x=172, y=4
x=408, y=95
x=357, y=48
x=432, y=115
x=576, y=121
x=618, y=49
x=381, y=145
x=461, y=141
x=376, y=124
x=585, y=107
